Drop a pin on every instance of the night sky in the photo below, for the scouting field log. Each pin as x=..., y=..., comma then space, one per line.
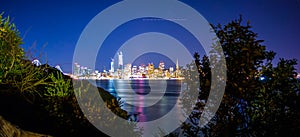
x=54, y=26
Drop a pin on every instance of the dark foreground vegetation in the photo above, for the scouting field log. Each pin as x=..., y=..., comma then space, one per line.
x=261, y=99
x=41, y=99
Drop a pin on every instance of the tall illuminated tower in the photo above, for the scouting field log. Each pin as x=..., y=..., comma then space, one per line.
x=120, y=57
x=177, y=65
x=177, y=72
x=112, y=65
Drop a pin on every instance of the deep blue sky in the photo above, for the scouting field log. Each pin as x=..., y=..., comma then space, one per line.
x=59, y=23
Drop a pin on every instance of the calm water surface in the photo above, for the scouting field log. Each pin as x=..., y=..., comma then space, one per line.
x=146, y=99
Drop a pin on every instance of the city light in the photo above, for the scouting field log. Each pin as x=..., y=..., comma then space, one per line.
x=128, y=71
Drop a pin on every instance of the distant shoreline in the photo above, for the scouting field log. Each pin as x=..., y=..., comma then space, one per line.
x=128, y=78
x=86, y=78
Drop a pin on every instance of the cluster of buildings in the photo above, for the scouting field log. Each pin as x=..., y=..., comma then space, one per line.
x=128, y=71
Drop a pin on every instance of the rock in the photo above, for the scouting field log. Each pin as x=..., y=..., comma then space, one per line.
x=9, y=130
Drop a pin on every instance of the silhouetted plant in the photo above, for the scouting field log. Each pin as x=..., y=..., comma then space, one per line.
x=250, y=106
x=99, y=113
x=48, y=89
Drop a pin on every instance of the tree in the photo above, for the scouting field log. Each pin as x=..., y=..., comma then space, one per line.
x=278, y=100
x=259, y=98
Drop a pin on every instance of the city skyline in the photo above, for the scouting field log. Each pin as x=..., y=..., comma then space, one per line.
x=55, y=32
x=126, y=70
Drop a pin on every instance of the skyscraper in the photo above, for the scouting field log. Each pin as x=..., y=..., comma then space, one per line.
x=161, y=65
x=177, y=72
x=112, y=65
x=120, y=57
x=177, y=65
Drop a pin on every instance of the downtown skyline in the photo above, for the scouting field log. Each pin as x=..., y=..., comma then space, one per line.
x=123, y=70
x=55, y=26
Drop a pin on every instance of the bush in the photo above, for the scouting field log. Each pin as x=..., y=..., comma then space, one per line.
x=16, y=71
x=42, y=99
x=11, y=53
x=58, y=87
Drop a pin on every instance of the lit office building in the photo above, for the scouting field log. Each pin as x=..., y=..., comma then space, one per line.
x=120, y=63
x=127, y=71
x=112, y=66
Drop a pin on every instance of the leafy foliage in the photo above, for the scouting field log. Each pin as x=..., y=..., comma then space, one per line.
x=15, y=70
x=250, y=106
x=11, y=54
x=44, y=95
x=59, y=86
